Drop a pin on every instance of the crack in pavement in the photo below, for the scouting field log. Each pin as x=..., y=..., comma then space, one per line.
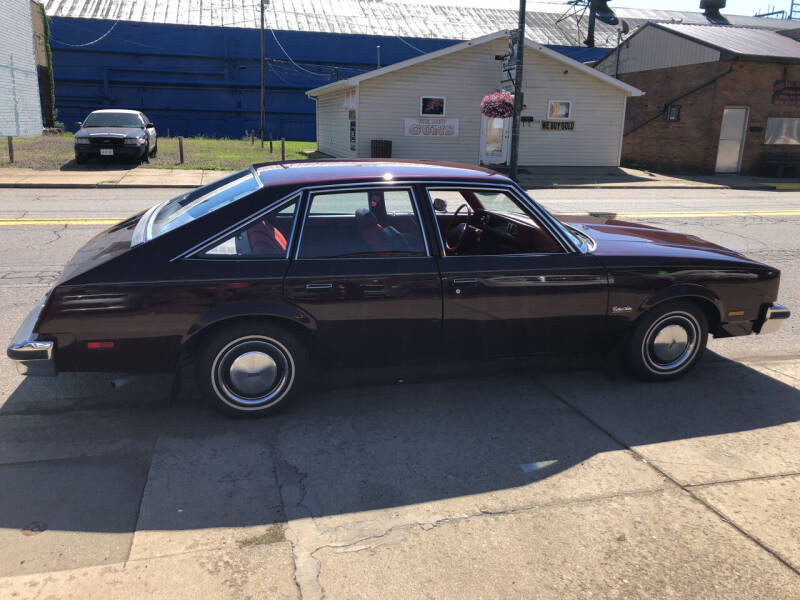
x=300, y=525
x=57, y=234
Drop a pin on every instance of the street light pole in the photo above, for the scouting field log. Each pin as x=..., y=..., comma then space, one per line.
x=263, y=78
x=518, y=103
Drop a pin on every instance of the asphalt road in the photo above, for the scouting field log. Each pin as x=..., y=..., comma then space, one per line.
x=545, y=484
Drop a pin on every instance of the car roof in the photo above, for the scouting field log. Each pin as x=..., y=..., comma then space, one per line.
x=116, y=110
x=307, y=172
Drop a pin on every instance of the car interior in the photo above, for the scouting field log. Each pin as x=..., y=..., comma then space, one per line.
x=383, y=223
x=473, y=222
x=375, y=223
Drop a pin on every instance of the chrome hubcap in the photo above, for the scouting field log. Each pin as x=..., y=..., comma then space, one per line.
x=671, y=343
x=253, y=373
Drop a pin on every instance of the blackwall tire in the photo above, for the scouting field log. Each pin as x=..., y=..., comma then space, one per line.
x=252, y=370
x=667, y=342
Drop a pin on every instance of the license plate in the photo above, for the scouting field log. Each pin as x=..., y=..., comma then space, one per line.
x=106, y=152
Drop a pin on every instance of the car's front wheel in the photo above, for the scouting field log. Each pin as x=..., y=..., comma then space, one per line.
x=252, y=369
x=668, y=341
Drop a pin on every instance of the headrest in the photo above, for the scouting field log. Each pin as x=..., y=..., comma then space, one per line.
x=365, y=218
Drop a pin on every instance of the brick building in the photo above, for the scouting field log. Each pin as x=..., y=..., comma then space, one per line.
x=717, y=98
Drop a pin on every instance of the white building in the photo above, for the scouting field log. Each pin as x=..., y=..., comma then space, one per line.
x=429, y=108
x=20, y=109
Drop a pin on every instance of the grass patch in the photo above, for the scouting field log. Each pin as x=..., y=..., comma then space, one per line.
x=53, y=152
x=272, y=535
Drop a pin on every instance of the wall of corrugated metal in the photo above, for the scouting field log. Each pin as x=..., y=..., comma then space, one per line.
x=206, y=80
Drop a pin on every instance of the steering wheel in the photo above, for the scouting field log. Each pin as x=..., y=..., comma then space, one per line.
x=457, y=231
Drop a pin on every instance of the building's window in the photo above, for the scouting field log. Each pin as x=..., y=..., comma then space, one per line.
x=266, y=238
x=362, y=224
x=782, y=131
x=674, y=112
x=559, y=109
x=431, y=106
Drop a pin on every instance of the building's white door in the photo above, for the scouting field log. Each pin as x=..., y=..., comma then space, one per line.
x=495, y=135
x=731, y=139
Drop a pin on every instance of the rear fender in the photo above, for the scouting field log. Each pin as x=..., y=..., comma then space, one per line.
x=251, y=309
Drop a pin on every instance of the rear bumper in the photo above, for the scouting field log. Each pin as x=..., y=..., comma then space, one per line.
x=32, y=355
x=772, y=317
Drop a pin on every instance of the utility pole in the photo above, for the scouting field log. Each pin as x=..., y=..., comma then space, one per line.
x=518, y=103
x=263, y=74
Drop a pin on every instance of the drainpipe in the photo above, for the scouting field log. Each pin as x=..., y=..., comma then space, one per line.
x=683, y=95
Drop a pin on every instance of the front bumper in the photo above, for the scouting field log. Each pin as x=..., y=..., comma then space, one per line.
x=772, y=317
x=32, y=355
x=93, y=151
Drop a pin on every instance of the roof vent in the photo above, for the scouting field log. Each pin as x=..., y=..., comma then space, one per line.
x=711, y=8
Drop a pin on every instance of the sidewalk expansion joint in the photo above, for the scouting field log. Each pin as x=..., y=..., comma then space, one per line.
x=141, y=497
x=686, y=488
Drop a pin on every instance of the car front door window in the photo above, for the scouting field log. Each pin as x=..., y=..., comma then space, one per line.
x=488, y=222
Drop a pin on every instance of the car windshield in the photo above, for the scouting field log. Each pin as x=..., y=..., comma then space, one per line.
x=198, y=203
x=112, y=119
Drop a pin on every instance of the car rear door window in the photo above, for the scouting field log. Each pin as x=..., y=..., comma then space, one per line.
x=375, y=223
x=266, y=237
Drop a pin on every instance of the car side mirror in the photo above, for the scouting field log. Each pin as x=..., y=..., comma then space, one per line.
x=439, y=205
x=78, y=124
x=149, y=125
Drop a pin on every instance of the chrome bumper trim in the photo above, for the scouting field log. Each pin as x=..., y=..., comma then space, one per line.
x=33, y=356
x=773, y=316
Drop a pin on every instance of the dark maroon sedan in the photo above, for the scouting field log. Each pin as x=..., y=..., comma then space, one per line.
x=360, y=262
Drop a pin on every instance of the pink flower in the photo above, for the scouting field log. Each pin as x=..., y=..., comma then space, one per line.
x=499, y=105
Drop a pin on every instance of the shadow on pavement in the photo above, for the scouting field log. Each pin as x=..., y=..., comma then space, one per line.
x=101, y=164
x=155, y=466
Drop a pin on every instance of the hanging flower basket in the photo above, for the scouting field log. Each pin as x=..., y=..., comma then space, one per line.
x=499, y=105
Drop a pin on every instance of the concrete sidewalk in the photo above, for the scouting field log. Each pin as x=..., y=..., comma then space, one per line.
x=140, y=177
x=529, y=178
x=623, y=177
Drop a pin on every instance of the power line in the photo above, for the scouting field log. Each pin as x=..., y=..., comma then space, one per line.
x=292, y=61
x=110, y=29
x=410, y=45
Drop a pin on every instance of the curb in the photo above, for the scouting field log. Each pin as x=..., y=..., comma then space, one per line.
x=89, y=186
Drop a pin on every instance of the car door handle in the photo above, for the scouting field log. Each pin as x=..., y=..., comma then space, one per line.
x=466, y=281
x=319, y=286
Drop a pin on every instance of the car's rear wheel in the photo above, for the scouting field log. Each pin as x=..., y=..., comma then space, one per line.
x=668, y=341
x=252, y=369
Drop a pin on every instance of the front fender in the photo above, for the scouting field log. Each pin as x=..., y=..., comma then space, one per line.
x=683, y=290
